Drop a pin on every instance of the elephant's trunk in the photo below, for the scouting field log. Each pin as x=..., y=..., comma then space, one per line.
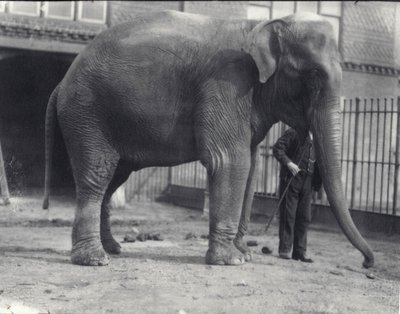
x=326, y=127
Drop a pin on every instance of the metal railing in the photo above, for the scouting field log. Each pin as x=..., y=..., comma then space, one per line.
x=369, y=159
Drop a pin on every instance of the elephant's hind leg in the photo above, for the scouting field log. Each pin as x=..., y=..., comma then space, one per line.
x=110, y=245
x=93, y=171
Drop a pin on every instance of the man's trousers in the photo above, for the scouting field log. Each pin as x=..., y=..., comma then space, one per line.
x=295, y=214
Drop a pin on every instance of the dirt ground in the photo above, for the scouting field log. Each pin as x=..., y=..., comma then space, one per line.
x=170, y=276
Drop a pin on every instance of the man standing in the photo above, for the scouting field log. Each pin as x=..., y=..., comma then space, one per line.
x=297, y=160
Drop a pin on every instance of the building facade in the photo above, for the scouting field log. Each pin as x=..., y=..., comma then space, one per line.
x=39, y=40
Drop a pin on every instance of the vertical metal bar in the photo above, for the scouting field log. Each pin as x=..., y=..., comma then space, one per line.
x=139, y=184
x=348, y=145
x=343, y=124
x=266, y=162
x=397, y=161
x=390, y=153
x=259, y=160
x=369, y=150
x=146, y=185
x=355, y=151
x=362, y=153
x=376, y=152
x=169, y=183
x=383, y=153
x=195, y=175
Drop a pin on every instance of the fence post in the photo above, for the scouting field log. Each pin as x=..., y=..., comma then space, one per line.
x=169, y=183
x=3, y=181
x=206, y=206
x=355, y=151
x=397, y=161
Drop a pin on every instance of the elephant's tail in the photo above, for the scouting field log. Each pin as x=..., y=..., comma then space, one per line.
x=50, y=125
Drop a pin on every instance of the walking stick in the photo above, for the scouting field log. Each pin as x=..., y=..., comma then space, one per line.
x=279, y=204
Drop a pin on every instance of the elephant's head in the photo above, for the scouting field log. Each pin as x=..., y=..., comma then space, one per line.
x=297, y=58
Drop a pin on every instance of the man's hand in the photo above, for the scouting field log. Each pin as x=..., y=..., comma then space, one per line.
x=293, y=168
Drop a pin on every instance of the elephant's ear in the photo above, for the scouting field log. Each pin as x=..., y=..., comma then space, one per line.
x=263, y=44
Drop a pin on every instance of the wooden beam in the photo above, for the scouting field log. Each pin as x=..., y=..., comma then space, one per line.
x=41, y=45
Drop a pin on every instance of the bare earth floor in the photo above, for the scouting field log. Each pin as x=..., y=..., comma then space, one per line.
x=170, y=276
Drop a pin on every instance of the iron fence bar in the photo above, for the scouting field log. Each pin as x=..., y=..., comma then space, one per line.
x=362, y=153
x=355, y=151
x=376, y=155
x=266, y=171
x=195, y=174
x=348, y=147
x=343, y=124
x=383, y=154
x=390, y=154
x=397, y=161
x=369, y=154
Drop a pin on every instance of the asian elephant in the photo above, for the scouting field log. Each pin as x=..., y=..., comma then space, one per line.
x=170, y=88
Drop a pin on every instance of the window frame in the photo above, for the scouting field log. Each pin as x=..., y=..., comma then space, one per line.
x=260, y=5
x=79, y=14
x=59, y=17
x=3, y=6
x=38, y=7
x=330, y=15
x=270, y=5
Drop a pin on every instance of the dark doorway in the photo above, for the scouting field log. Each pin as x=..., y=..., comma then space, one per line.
x=26, y=82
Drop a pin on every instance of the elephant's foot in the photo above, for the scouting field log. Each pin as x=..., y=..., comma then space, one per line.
x=224, y=255
x=242, y=247
x=89, y=254
x=111, y=246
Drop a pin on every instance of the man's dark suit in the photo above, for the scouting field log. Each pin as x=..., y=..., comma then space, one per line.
x=295, y=209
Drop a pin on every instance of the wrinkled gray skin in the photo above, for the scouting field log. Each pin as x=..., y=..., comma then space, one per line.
x=170, y=88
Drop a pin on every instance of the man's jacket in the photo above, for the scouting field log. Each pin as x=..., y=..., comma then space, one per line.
x=287, y=149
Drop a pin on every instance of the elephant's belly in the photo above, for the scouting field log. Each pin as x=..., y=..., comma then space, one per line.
x=152, y=149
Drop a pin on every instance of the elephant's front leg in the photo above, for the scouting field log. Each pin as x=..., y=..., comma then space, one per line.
x=246, y=208
x=227, y=181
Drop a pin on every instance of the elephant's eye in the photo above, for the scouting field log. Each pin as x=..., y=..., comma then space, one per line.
x=314, y=80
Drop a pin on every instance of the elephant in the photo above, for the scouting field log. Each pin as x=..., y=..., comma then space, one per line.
x=171, y=87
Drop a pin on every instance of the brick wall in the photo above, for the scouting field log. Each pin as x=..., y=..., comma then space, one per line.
x=358, y=84
x=122, y=11
x=221, y=9
x=368, y=32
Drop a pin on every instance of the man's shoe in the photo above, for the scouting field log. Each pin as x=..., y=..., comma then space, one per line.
x=284, y=255
x=302, y=257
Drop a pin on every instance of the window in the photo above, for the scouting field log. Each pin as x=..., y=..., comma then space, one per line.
x=258, y=12
x=307, y=6
x=330, y=10
x=282, y=8
x=59, y=10
x=25, y=8
x=2, y=6
x=92, y=11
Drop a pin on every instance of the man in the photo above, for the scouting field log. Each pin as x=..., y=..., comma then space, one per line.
x=298, y=161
